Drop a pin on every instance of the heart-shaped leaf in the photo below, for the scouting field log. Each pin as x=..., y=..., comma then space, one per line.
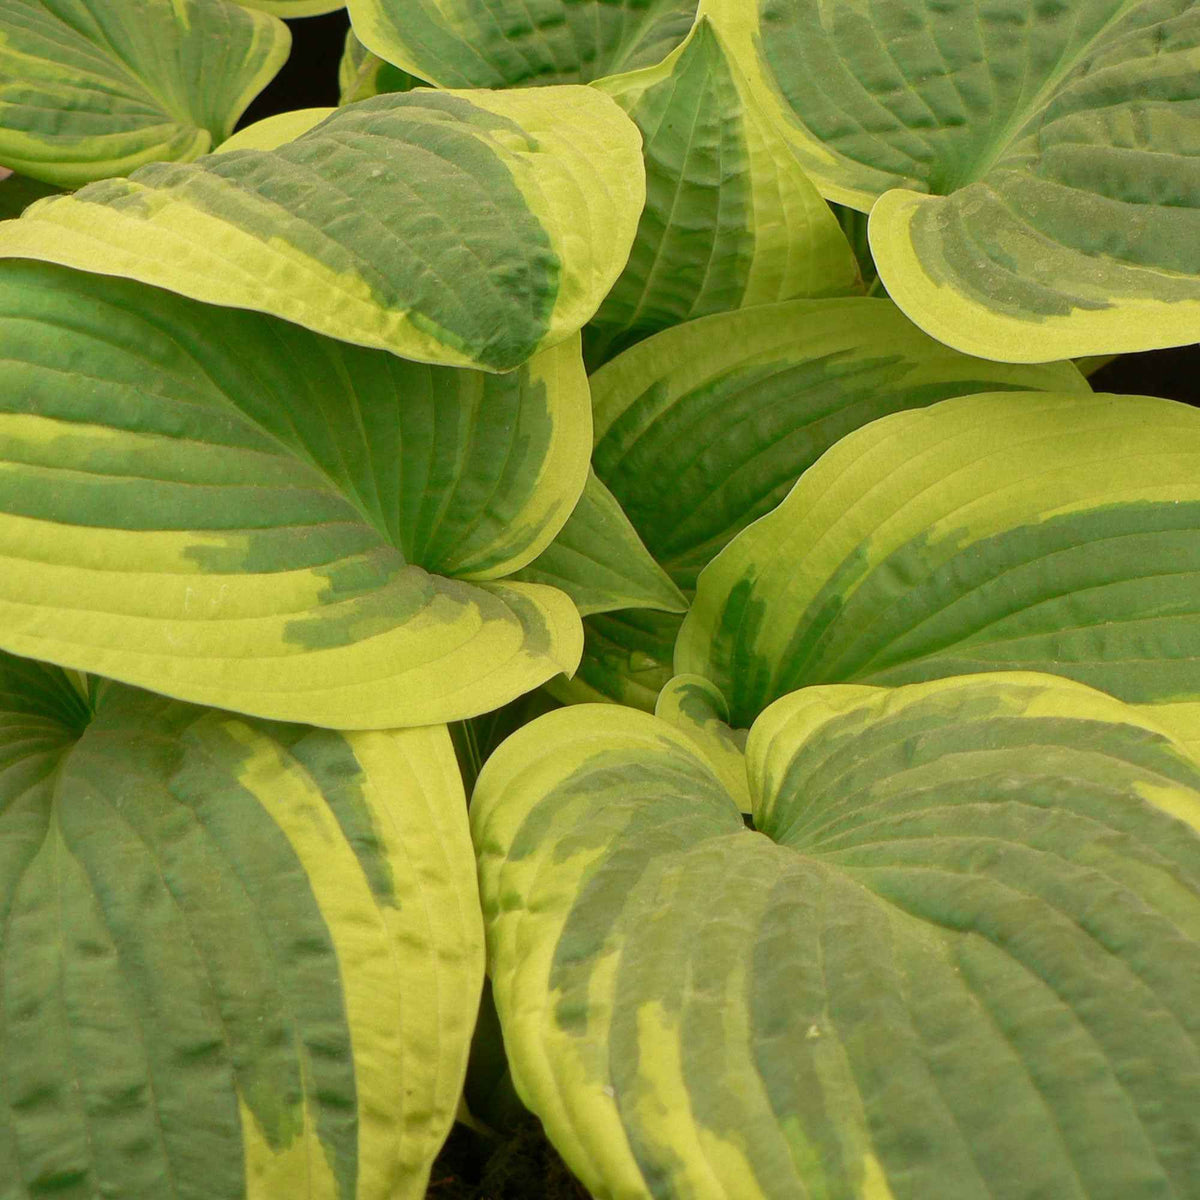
x=703, y=428
x=227, y=508
x=240, y=959
x=93, y=88
x=472, y=229
x=1033, y=166
x=510, y=43
x=957, y=961
x=993, y=532
x=730, y=221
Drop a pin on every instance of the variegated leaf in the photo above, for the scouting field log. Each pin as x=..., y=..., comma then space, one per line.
x=1182, y=719
x=476, y=738
x=511, y=43
x=472, y=229
x=730, y=221
x=227, y=508
x=274, y=131
x=704, y=428
x=627, y=658
x=956, y=961
x=695, y=706
x=94, y=88
x=1046, y=532
x=294, y=8
x=240, y=959
x=1030, y=166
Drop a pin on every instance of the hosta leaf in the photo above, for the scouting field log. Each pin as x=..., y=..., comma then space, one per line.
x=472, y=229
x=695, y=705
x=703, y=428
x=600, y=562
x=730, y=220
x=1182, y=719
x=996, y=532
x=229, y=509
x=362, y=74
x=295, y=8
x=274, y=131
x=958, y=962
x=509, y=43
x=93, y=88
x=1033, y=165
x=240, y=959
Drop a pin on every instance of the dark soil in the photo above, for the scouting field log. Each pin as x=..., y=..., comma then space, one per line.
x=521, y=1166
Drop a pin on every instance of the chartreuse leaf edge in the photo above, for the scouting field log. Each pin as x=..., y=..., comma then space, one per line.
x=506, y=44
x=232, y=510
x=240, y=959
x=965, y=897
x=1029, y=167
x=704, y=428
x=999, y=531
x=92, y=88
x=462, y=228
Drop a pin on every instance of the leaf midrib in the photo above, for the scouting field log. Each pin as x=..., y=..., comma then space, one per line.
x=1034, y=107
x=296, y=452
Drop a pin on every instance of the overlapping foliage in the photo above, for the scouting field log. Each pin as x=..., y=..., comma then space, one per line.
x=825, y=666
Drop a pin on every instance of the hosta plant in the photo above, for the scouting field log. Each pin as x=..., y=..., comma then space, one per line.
x=957, y=957
x=656, y=421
